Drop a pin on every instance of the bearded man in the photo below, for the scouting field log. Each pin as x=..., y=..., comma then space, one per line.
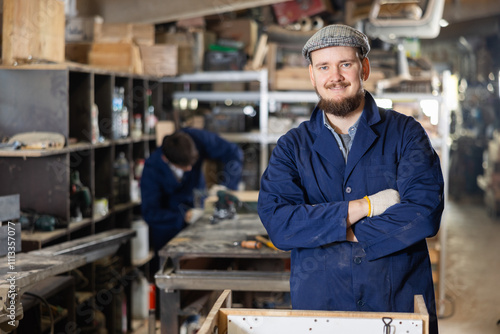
x=354, y=192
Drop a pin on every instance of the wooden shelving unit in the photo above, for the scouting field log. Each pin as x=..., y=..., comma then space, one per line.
x=59, y=99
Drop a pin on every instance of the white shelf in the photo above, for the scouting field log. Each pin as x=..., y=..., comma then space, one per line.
x=293, y=96
x=217, y=76
x=210, y=96
x=252, y=137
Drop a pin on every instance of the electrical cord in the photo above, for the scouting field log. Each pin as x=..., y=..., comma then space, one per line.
x=43, y=300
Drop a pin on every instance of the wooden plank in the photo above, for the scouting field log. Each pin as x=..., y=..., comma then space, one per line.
x=160, y=11
x=213, y=318
x=33, y=29
x=420, y=308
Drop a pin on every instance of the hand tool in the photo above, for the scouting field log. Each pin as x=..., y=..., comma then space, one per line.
x=266, y=242
x=250, y=244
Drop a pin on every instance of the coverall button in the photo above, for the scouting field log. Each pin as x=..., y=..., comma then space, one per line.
x=357, y=260
x=361, y=303
x=348, y=190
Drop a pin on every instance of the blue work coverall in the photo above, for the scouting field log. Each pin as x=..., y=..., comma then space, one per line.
x=165, y=200
x=303, y=204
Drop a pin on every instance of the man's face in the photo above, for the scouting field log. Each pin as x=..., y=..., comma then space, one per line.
x=337, y=74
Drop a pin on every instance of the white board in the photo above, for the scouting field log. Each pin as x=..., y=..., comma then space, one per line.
x=243, y=324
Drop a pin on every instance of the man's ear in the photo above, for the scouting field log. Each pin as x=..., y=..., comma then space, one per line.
x=366, y=68
x=311, y=75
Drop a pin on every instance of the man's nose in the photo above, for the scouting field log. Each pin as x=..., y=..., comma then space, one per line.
x=335, y=75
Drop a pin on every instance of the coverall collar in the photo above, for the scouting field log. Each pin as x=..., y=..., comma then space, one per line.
x=325, y=141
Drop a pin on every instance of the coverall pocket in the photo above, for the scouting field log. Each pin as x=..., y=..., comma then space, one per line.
x=382, y=172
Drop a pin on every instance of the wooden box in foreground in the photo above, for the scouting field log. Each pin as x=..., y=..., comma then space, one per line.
x=33, y=29
x=223, y=319
x=160, y=59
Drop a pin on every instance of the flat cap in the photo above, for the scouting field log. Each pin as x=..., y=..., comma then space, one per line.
x=336, y=35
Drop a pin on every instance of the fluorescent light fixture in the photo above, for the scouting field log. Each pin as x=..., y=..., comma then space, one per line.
x=384, y=103
x=430, y=108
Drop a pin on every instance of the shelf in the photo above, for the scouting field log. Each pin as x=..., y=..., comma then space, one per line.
x=82, y=146
x=217, y=76
x=293, y=96
x=45, y=152
x=43, y=237
x=408, y=97
x=251, y=137
x=211, y=96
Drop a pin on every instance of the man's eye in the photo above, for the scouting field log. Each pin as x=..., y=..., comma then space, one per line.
x=323, y=67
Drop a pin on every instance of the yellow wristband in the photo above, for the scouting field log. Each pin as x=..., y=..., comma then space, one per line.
x=369, y=206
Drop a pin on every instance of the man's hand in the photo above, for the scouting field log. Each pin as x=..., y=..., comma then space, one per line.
x=381, y=201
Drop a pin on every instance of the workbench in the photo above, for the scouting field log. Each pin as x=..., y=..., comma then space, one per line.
x=208, y=257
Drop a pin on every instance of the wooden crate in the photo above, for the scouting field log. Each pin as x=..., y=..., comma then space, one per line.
x=188, y=52
x=225, y=318
x=112, y=32
x=292, y=78
x=78, y=52
x=119, y=57
x=33, y=29
x=160, y=59
x=143, y=34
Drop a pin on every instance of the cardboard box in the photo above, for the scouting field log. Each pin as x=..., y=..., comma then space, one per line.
x=118, y=57
x=33, y=29
x=160, y=59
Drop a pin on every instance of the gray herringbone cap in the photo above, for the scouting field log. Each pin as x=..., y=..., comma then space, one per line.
x=336, y=35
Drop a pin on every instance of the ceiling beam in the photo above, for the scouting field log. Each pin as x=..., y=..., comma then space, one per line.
x=163, y=11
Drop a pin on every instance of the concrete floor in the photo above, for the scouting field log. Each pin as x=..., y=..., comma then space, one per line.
x=472, y=272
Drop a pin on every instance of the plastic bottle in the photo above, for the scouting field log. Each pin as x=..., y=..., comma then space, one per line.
x=150, y=114
x=140, y=243
x=117, y=106
x=124, y=123
x=140, y=297
x=137, y=127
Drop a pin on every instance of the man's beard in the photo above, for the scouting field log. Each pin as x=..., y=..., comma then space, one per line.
x=343, y=107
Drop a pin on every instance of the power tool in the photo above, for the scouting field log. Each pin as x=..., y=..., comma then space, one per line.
x=225, y=207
